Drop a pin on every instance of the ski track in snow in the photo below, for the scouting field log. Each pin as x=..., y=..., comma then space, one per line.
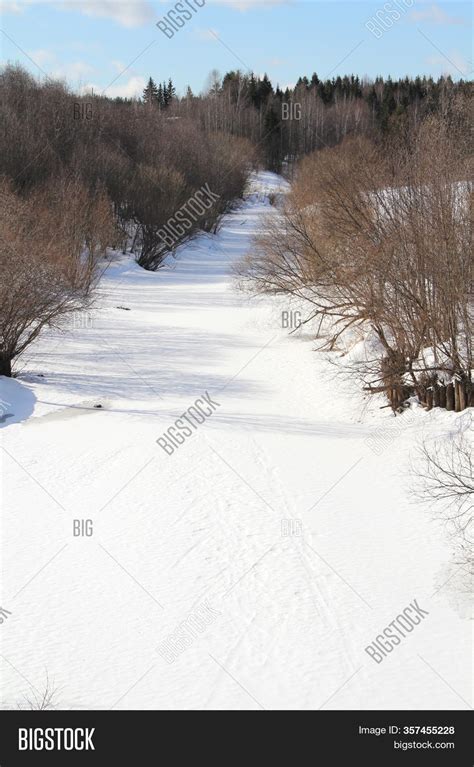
x=289, y=441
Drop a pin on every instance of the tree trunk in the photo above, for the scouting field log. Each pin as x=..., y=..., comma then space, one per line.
x=450, y=397
x=5, y=366
x=442, y=396
x=470, y=390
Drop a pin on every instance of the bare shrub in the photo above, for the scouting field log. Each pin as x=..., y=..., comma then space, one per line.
x=51, y=244
x=155, y=195
x=44, y=700
x=445, y=482
x=149, y=161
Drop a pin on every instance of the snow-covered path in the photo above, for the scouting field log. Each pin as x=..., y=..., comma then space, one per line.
x=275, y=522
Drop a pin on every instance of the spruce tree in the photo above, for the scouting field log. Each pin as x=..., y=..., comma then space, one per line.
x=171, y=91
x=150, y=93
x=166, y=97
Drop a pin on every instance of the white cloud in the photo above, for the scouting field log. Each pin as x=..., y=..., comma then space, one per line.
x=134, y=86
x=76, y=70
x=455, y=64
x=50, y=64
x=434, y=14
x=42, y=57
x=119, y=66
x=127, y=13
x=9, y=6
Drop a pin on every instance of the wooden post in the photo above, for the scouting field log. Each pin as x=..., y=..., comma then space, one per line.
x=429, y=398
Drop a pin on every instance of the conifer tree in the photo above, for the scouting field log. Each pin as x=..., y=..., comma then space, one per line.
x=165, y=95
x=150, y=93
x=171, y=91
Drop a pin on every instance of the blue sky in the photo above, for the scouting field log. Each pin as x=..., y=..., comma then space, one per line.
x=115, y=44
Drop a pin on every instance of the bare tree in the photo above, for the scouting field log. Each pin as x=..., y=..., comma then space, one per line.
x=445, y=482
x=51, y=244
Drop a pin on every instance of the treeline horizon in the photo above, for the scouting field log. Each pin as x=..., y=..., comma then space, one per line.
x=292, y=122
x=287, y=124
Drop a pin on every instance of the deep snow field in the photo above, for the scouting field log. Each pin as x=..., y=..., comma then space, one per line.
x=276, y=519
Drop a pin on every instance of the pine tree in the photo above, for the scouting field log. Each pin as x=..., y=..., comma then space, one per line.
x=150, y=94
x=253, y=90
x=165, y=95
x=171, y=91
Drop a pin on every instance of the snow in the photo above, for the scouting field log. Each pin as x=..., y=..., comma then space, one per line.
x=203, y=529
